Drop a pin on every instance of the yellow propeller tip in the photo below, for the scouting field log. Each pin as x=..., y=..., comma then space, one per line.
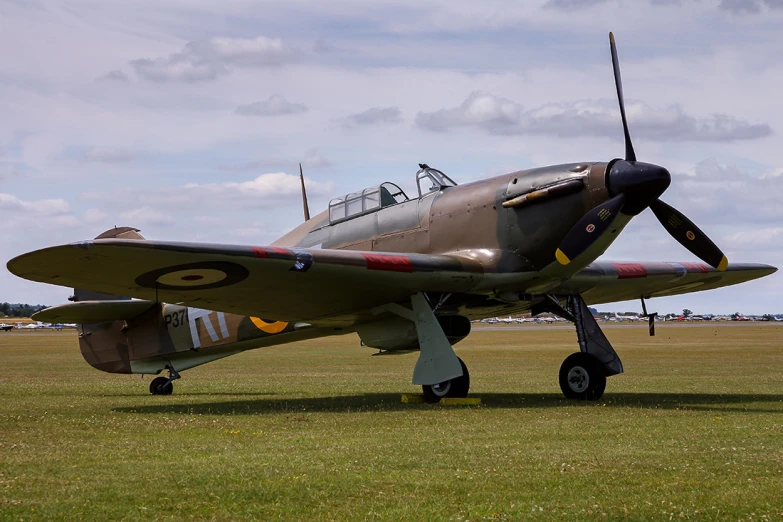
x=611, y=36
x=723, y=265
x=561, y=257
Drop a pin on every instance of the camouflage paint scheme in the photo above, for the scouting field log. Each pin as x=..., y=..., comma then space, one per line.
x=484, y=249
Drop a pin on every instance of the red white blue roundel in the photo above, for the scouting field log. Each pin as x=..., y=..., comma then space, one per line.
x=194, y=276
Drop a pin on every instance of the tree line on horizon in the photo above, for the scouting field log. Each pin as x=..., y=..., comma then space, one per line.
x=19, y=309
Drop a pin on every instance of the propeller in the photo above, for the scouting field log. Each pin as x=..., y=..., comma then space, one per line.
x=634, y=186
x=590, y=227
x=689, y=235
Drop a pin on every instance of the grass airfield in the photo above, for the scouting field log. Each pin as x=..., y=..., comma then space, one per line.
x=316, y=431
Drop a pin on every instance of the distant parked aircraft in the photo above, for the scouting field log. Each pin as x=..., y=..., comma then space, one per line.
x=30, y=326
x=5, y=327
x=629, y=317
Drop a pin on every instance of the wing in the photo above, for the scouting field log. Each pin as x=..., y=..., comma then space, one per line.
x=269, y=282
x=607, y=281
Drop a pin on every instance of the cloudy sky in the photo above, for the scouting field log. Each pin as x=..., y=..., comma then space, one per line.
x=187, y=118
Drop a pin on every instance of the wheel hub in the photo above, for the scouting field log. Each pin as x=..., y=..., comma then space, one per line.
x=578, y=379
x=441, y=389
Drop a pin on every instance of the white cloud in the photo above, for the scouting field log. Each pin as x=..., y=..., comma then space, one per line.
x=263, y=190
x=373, y=116
x=41, y=207
x=498, y=115
x=749, y=7
x=207, y=59
x=274, y=106
x=147, y=216
x=312, y=159
x=115, y=76
x=176, y=69
x=93, y=216
x=758, y=240
x=480, y=109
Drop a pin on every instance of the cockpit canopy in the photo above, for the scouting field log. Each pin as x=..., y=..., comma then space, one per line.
x=431, y=180
x=387, y=194
x=368, y=200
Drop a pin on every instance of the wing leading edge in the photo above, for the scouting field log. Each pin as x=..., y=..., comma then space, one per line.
x=271, y=282
x=608, y=281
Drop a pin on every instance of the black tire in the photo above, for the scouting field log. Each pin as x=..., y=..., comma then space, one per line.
x=457, y=387
x=161, y=386
x=582, y=377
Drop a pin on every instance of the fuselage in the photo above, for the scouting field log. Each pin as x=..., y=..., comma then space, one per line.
x=471, y=220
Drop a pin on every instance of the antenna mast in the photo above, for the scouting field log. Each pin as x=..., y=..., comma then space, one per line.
x=304, y=195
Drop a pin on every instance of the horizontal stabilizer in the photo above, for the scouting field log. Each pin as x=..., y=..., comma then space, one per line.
x=89, y=312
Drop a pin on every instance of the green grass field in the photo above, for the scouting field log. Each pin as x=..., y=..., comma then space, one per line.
x=316, y=431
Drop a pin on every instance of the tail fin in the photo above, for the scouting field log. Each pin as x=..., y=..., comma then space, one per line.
x=88, y=295
x=104, y=345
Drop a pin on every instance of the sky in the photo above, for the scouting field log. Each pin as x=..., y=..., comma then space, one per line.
x=187, y=118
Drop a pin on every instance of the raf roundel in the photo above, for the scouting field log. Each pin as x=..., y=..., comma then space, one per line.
x=194, y=276
x=590, y=227
x=690, y=235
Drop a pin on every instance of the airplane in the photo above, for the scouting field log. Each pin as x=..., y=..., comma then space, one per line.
x=6, y=327
x=29, y=326
x=629, y=317
x=404, y=273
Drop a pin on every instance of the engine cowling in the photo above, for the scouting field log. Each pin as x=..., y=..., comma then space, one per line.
x=398, y=334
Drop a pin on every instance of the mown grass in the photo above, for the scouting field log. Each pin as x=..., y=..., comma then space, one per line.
x=316, y=431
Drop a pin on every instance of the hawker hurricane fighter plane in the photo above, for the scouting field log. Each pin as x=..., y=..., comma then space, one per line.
x=404, y=273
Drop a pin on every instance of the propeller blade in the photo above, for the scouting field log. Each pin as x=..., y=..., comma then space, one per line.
x=630, y=155
x=589, y=229
x=689, y=235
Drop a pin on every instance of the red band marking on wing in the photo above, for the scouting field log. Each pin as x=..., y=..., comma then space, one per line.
x=259, y=252
x=390, y=263
x=696, y=267
x=630, y=270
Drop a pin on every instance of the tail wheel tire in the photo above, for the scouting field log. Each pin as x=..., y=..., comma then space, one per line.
x=161, y=386
x=582, y=377
x=456, y=387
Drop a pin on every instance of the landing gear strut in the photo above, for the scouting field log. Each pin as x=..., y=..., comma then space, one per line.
x=456, y=387
x=438, y=370
x=164, y=385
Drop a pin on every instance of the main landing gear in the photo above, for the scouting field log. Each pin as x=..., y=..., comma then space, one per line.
x=438, y=370
x=164, y=385
x=583, y=374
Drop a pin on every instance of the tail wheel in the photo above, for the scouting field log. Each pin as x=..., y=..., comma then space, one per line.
x=161, y=386
x=456, y=387
x=582, y=377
